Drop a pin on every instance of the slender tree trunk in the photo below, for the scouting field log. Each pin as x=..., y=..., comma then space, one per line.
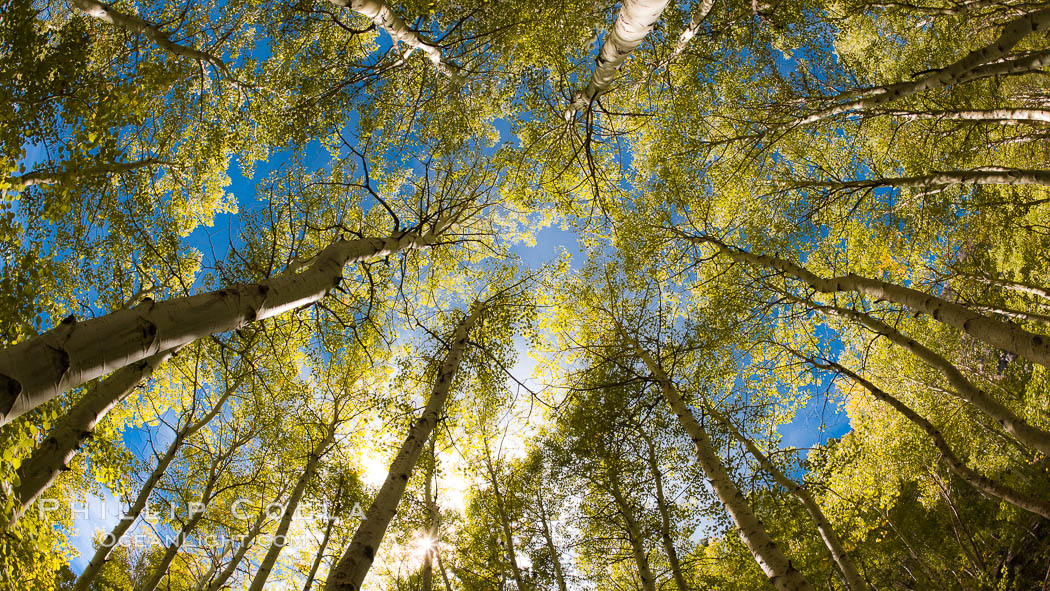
x=782, y=574
x=279, y=541
x=1018, y=314
x=960, y=71
x=1006, y=115
x=320, y=555
x=1018, y=286
x=432, y=520
x=384, y=17
x=73, y=428
x=353, y=566
x=36, y=370
x=634, y=536
x=1031, y=436
x=695, y=22
x=665, y=515
x=242, y=549
x=947, y=178
x=635, y=21
x=134, y=24
x=504, y=522
x=43, y=177
x=1004, y=335
x=976, y=480
x=102, y=552
x=559, y=575
x=832, y=541
x=444, y=575
x=161, y=568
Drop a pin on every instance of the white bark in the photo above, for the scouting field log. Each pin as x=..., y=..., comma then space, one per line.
x=976, y=480
x=35, y=371
x=357, y=560
x=1005, y=115
x=1027, y=434
x=634, y=536
x=559, y=575
x=43, y=177
x=960, y=71
x=279, y=541
x=504, y=521
x=384, y=17
x=102, y=552
x=312, y=575
x=52, y=457
x=1018, y=286
x=946, y=178
x=776, y=566
x=665, y=515
x=997, y=333
x=633, y=24
x=695, y=22
x=242, y=549
x=134, y=24
x=832, y=541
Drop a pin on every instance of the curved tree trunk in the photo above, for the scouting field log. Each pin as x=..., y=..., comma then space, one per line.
x=277, y=544
x=997, y=333
x=78, y=424
x=385, y=18
x=782, y=574
x=43, y=177
x=976, y=480
x=102, y=552
x=665, y=515
x=36, y=370
x=960, y=71
x=134, y=24
x=1030, y=435
x=357, y=560
x=634, y=536
x=635, y=21
x=832, y=541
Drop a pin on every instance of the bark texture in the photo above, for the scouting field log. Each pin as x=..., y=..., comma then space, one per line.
x=139, y=504
x=385, y=18
x=36, y=370
x=74, y=427
x=43, y=177
x=972, y=477
x=1004, y=335
x=349, y=573
x=776, y=566
x=635, y=21
x=845, y=564
x=134, y=24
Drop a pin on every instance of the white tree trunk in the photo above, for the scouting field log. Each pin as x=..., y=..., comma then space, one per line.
x=242, y=549
x=665, y=515
x=633, y=24
x=976, y=480
x=62, y=443
x=36, y=370
x=947, y=178
x=997, y=333
x=1027, y=434
x=357, y=560
x=832, y=541
x=960, y=71
x=43, y=177
x=1000, y=115
x=102, y=552
x=384, y=17
x=781, y=573
x=559, y=575
x=504, y=521
x=134, y=24
x=279, y=541
x=634, y=536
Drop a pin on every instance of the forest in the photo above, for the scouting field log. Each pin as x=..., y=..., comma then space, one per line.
x=505, y=295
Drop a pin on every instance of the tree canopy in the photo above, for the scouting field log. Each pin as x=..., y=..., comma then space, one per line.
x=470, y=295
